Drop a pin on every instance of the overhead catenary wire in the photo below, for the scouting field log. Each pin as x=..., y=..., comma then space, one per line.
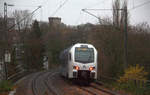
x=41, y=12
x=85, y=10
x=77, y=21
x=24, y=18
x=19, y=5
x=134, y=7
x=101, y=9
x=140, y=5
x=100, y=20
x=59, y=7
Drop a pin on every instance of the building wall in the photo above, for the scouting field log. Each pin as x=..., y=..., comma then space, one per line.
x=54, y=21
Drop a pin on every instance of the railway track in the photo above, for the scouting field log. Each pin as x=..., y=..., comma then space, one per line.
x=43, y=83
x=36, y=87
x=50, y=89
x=93, y=91
x=97, y=89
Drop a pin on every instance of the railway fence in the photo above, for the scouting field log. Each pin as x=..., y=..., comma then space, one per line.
x=18, y=74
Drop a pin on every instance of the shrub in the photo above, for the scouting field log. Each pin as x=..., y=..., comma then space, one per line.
x=133, y=80
x=133, y=73
x=5, y=86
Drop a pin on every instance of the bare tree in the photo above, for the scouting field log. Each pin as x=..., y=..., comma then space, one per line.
x=116, y=13
x=19, y=15
x=106, y=21
x=119, y=8
x=122, y=17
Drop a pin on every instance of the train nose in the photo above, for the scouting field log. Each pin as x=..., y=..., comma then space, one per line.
x=83, y=74
x=92, y=75
x=75, y=74
x=86, y=74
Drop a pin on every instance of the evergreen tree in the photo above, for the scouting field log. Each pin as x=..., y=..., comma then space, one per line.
x=34, y=48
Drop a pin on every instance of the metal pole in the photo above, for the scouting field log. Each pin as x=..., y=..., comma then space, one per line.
x=125, y=39
x=5, y=16
x=125, y=31
x=5, y=29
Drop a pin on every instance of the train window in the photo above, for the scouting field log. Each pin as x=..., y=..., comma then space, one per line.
x=84, y=55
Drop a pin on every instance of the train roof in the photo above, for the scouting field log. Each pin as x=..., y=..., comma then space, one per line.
x=80, y=44
x=64, y=52
x=77, y=44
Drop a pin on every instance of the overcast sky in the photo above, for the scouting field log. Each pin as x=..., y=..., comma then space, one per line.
x=71, y=13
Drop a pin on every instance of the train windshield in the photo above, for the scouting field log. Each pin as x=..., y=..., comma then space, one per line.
x=84, y=55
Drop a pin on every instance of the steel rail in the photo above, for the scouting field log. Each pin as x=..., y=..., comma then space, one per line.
x=47, y=84
x=33, y=85
x=87, y=90
x=97, y=86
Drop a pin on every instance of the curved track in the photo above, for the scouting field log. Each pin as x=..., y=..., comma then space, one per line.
x=46, y=81
x=40, y=84
x=96, y=89
x=50, y=83
x=34, y=85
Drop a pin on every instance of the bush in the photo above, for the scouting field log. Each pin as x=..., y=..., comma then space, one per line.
x=131, y=88
x=5, y=86
x=133, y=80
x=133, y=73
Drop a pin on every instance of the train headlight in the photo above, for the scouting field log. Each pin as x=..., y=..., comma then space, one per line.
x=91, y=68
x=76, y=67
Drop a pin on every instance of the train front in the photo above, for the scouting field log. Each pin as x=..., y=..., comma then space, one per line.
x=84, y=62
